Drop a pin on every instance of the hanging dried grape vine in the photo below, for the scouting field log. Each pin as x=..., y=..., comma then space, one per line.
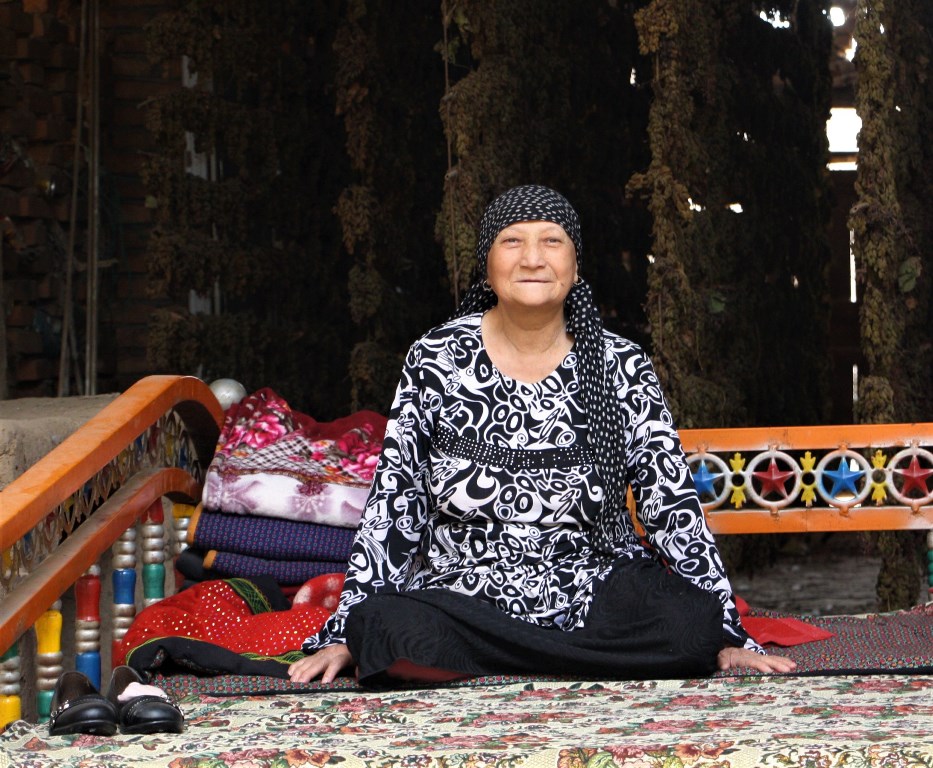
x=892, y=238
x=736, y=296
x=544, y=91
x=388, y=78
x=242, y=209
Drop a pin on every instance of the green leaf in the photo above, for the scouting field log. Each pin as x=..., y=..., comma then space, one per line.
x=908, y=273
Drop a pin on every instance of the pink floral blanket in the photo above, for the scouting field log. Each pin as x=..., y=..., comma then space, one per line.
x=275, y=462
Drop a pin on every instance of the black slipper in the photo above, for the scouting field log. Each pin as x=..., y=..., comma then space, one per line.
x=148, y=713
x=78, y=707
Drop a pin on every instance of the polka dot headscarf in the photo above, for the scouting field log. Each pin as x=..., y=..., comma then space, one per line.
x=603, y=409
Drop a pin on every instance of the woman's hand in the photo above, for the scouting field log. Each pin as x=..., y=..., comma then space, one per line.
x=326, y=662
x=737, y=658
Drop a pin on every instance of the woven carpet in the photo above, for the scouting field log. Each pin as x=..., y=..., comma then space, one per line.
x=895, y=642
x=738, y=722
x=862, y=698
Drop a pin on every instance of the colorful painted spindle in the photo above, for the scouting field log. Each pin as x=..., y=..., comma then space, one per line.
x=153, y=546
x=930, y=566
x=87, y=624
x=124, y=584
x=48, y=657
x=10, y=686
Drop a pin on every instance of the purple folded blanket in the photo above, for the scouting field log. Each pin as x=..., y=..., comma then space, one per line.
x=197, y=565
x=269, y=537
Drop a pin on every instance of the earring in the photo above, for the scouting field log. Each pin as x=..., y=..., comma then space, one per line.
x=577, y=280
x=486, y=285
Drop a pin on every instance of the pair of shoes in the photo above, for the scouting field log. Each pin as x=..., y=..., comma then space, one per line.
x=141, y=708
x=78, y=707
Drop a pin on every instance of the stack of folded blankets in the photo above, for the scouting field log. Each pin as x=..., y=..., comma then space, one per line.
x=283, y=495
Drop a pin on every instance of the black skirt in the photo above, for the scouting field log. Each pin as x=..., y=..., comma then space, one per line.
x=644, y=623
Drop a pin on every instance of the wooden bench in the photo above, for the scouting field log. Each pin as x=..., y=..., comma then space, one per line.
x=142, y=460
x=119, y=471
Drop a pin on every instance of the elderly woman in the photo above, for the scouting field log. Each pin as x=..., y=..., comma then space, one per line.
x=496, y=538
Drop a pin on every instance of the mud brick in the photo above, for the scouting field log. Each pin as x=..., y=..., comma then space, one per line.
x=11, y=259
x=54, y=311
x=140, y=90
x=63, y=56
x=129, y=41
x=33, y=232
x=135, y=66
x=128, y=138
x=133, y=287
x=37, y=99
x=134, y=367
x=33, y=389
x=138, y=312
x=33, y=206
x=135, y=240
x=49, y=287
x=31, y=72
x=59, y=155
x=58, y=80
x=9, y=95
x=130, y=188
x=8, y=203
x=36, y=369
x=22, y=341
x=21, y=316
x=65, y=103
x=52, y=182
x=33, y=49
x=61, y=209
x=40, y=262
x=22, y=289
x=7, y=43
x=52, y=128
x=124, y=15
x=136, y=213
x=123, y=162
x=46, y=26
x=132, y=336
x=129, y=115
x=19, y=176
x=18, y=122
x=12, y=17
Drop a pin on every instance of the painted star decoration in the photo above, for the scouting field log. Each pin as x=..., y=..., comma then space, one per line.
x=774, y=480
x=915, y=477
x=844, y=478
x=703, y=479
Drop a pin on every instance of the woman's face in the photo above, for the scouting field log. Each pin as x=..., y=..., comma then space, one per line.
x=532, y=264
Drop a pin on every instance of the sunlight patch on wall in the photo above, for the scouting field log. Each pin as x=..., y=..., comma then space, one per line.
x=775, y=19
x=842, y=132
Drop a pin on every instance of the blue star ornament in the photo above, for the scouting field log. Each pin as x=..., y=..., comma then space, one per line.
x=844, y=478
x=703, y=479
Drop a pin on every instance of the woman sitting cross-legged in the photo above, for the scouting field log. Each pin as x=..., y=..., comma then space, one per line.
x=496, y=538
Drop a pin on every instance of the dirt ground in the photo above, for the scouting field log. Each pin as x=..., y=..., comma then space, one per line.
x=816, y=575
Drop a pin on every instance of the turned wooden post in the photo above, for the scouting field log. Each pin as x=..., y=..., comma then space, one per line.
x=48, y=657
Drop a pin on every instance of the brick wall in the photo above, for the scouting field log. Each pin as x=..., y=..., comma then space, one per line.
x=39, y=89
x=132, y=81
x=38, y=77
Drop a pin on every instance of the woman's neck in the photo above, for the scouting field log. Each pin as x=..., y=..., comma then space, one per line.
x=527, y=348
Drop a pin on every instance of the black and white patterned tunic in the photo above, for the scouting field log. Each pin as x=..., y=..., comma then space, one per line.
x=488, y=486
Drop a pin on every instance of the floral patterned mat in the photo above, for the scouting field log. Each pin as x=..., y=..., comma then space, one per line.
x=899, y=641
x=829, y=722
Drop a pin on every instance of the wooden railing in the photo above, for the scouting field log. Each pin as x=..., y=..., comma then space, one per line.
x=152, y=443
x=155, y=442
x=867, y=477
x=828, y=478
